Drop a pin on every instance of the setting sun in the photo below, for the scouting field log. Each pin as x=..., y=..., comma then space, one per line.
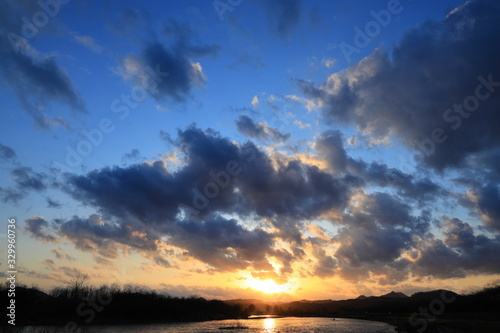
x=268, y=286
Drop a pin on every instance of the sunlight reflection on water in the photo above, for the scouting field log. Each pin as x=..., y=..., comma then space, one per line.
x=269, y=324
x=262, y=325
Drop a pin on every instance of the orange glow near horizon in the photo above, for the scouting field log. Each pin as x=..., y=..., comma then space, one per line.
x=268, y=286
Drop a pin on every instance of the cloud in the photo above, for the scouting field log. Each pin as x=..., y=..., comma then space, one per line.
x=309, y=104
x=25, y=180
x=326, y=265
x=60, y=254
x=52, y=203
x=35, y=226
x=301, y=125
x=261, y=130
x=328, y=63
x=484, y=200
x=423, y=100
x=224, y=243
x=101, y=235
x=6, y=152
x=168, y=71
x=35, y=79
x=139, y=204
x=133, y=155
x=255, y=101
x=89, y=42
x=235, y=206
x=330, y=148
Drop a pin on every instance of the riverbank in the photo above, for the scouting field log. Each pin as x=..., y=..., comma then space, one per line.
x=440, y=325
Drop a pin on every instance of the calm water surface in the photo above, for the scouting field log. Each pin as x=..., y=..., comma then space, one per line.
x=268, y=325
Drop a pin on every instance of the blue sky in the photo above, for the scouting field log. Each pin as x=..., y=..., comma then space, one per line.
x=116, y=114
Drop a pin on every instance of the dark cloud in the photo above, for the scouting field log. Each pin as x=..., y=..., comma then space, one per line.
x=6, y=152
x=412, y=186
x=370, y=244
x=169, y=71
x=218, y=176
x=161, y=262
x=224, y=243
x=11, y=195
x=52, y=203
x=292, y=190
x=330, y=148
x=409, y=92
x=461, y=252
x=205, y=182
x=97, y=234
x=485, y=201
x=35, y=78
x=147, y=207
x=35, y=226
x=25, y=180
x=326, y=266
x=375, y=233
x=254, y=130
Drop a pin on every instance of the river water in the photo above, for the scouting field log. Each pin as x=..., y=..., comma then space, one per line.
x=267, y=325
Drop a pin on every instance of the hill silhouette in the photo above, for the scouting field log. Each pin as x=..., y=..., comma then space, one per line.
x=86, y=305
x=428, y=311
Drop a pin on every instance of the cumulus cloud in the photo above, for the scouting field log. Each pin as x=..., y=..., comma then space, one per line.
x=203, y=205
x=168, y=71
x=255, y=101
x=424, y=91
x=141, y=203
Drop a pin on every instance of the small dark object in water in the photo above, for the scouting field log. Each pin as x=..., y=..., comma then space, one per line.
x=234, y=327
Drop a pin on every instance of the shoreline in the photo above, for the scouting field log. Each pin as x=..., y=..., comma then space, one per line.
x=451, y=324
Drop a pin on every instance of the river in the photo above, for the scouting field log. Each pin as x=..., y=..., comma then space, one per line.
x=267, y=325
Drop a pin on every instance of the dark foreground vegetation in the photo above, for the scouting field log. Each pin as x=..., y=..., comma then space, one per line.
x=79, y=305
x=433, y=311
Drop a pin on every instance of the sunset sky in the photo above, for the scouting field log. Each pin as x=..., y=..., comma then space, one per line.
x=278, y=149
